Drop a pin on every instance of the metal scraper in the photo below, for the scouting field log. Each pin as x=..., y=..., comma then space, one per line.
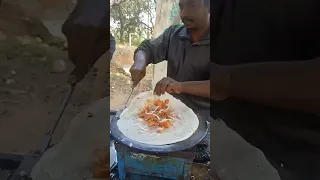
x=126, y=103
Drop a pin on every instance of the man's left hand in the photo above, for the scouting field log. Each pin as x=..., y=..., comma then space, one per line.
x=168, y=85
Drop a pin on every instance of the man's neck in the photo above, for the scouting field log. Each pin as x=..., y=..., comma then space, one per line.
x=197, y=35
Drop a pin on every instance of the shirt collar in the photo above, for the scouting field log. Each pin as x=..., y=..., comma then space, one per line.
x=184, y=34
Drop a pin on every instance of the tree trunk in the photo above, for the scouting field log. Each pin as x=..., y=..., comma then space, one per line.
x=166, y=15
x=121, y=38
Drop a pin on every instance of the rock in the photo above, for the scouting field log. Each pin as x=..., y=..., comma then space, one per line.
x=2, y=36
x=45, y=45
x=26, y=54
x=126, y=68
x=4, y=112
x=38, y=39
x=95, y=70
x=59, y=66
x=42, y=59
x=13, y=72
x=52, y=86
x=90, y=115
x=10, y=81
x=24, y=40
x=65, y=45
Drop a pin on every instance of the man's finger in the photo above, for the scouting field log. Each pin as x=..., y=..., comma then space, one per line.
x=169, y=89
x=135, y=76
x=164, y=86
x=132, y=73
x=138, y=78
x=157, y=89
x=72, y=79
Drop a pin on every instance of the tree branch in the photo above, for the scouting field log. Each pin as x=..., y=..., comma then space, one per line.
x=150, y=28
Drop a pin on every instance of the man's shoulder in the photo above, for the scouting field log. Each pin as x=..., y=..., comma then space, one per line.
x=174, y=29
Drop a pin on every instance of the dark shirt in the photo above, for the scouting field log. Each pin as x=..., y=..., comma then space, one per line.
x=248, y=31
x=92, y=13
x=187, y=61
x=112, y=46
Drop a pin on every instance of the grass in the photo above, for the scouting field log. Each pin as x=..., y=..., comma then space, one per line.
x=12, y=48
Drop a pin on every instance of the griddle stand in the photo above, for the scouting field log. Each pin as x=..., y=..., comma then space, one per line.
x=139, y=161
x=135, y=164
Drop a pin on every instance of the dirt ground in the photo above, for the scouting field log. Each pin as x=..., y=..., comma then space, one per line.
x=33, y=81
x=120, y=81
x=33, y=85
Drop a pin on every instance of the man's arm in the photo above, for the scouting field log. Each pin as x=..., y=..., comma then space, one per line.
x=197, y=88
x=112, y=46
x=292, y=85
x=87, y=31
x=155, y=50
x=169, y=85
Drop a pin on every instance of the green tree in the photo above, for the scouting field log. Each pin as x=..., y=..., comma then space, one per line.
x=134, y=17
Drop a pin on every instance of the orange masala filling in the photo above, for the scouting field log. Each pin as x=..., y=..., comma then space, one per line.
x=157, y=113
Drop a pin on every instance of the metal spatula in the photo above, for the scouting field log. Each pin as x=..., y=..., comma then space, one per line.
x=126, y=102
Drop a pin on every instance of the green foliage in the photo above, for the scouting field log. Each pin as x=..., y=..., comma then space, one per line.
x=131, y=17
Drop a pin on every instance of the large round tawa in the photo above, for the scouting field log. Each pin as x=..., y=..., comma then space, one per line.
x=194, y=139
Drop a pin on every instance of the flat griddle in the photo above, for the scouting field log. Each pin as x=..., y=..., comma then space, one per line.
x=194, y=139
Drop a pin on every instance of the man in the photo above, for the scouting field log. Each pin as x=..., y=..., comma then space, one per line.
x=88, y=35
x=112, y=46
x=269, y=63
x=187, y=50
x=264, y=80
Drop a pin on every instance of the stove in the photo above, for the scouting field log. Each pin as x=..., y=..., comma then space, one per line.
x=138, y=161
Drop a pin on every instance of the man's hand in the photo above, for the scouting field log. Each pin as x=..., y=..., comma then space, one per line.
x=85, y=46
x=217, y=88
x=168, y=85
x=137, y=71
x=88, y=35
x=72, y=79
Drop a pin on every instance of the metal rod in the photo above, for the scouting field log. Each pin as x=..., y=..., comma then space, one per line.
x=62, y=109
x=126, y=102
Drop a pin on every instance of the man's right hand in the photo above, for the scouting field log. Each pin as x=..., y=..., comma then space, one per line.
x=87, y=31
x=138, y=71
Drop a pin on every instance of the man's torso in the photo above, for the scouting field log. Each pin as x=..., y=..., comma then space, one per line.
x=189, y=61
x=260, y=31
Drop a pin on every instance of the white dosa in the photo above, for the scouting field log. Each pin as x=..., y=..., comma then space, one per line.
x=132, y=127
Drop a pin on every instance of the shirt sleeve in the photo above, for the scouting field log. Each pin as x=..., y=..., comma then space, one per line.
x=112, y=46
x=92, y=13
x=157, y=49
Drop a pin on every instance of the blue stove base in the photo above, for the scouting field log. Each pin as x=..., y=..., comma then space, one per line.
x=136, y=165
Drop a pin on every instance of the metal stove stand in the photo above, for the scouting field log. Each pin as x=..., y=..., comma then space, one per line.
x=135, y=164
